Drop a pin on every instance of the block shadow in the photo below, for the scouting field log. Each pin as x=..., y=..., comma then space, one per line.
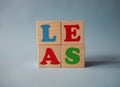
x=102, y=60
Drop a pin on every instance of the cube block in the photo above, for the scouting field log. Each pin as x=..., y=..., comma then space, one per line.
x=73, y=56
x=48, y=32
x=72, y=32
x=49, y=56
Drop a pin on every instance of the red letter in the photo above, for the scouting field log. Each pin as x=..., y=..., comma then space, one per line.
x=49, y=56
x=71, y=35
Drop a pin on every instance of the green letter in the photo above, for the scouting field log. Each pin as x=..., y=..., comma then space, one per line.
x=72, y=57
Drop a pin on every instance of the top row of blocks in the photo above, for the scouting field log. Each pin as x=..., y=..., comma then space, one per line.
x=60, y=32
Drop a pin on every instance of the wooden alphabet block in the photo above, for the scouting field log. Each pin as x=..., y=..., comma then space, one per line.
x=49, y=56
x=72, y=32
x=72, y=56
x=48, y=32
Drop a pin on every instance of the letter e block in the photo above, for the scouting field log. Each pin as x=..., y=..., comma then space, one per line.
x=72, y=32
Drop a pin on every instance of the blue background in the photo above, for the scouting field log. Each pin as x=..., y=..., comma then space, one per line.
x=18, y=49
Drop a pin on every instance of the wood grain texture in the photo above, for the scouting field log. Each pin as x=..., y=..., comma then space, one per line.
x=79, y=32
x=41, y=54
x=81, y=63
x=53, y=31
x=60, y=46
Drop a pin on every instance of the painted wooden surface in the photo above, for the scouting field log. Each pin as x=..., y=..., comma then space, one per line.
x=53, y=33
x=60, y=44
x=49, y=56
x=73, y=56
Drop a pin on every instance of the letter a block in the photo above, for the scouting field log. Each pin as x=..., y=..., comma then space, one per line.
x=49, y=56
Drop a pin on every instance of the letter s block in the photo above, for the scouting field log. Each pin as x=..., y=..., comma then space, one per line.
x=48, y=32
x=72, y=56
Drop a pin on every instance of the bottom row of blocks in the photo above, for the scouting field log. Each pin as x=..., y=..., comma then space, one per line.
x=65, y=56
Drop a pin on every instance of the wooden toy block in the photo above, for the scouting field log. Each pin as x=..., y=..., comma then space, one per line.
x=48, y=32
x=49, y=56
x=72, y=56
x=72, y=32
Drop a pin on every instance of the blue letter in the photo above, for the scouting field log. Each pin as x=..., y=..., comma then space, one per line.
x=46, y=34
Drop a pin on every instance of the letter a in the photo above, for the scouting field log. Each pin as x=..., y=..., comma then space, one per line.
x=49, y=56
